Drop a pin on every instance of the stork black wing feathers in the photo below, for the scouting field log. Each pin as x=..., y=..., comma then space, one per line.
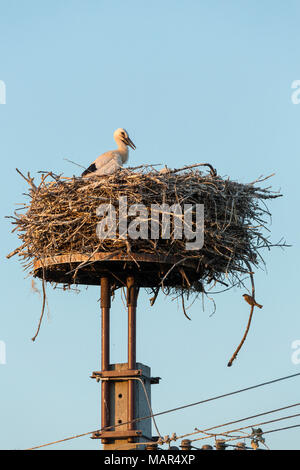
x=91, y=169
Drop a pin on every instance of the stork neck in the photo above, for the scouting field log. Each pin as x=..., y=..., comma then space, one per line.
x=123, y=150
x=122, y=146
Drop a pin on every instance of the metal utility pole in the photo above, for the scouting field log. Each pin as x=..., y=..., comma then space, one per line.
x=105, y=348
x=132, y=294
x=123, y=386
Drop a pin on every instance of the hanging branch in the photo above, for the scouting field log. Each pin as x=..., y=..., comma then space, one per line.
x=183, y=307
x=249, y=321
x=43, y=307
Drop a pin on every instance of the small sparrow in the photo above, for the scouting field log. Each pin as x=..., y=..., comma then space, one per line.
x=251, y=300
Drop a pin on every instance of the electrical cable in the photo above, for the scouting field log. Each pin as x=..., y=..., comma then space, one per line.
x=212, y=398
x=174, y=409
x=240, y=420
x=282, y=429
x=225, y=433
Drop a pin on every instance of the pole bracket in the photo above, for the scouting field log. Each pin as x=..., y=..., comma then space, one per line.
x=115, y=375
x=116, y=434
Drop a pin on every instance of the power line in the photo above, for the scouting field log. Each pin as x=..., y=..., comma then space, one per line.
x=261, y=424
x=282, y=429
x=61, y=440
x=240, y=420
x=225, y=433
x=210, y=399
x=252, y=387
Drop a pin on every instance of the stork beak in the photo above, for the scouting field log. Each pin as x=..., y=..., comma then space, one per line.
x=129, y=142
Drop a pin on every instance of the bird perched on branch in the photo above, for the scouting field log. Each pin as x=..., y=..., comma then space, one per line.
x=110, y=162
x=251, y=300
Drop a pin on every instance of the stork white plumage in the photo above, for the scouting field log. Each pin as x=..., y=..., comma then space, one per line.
x=110, y=162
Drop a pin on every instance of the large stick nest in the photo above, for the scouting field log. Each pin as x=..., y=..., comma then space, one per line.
x=60, y=219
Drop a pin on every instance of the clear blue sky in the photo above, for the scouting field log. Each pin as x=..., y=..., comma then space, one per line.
x=191, y=81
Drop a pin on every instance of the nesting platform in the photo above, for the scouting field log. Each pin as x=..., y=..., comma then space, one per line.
x=147, y=269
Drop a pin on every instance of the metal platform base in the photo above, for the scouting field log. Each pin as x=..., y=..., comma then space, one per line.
x=147, y=269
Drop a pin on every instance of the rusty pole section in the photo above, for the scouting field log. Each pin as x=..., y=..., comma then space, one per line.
x=132, y=293
x=105, y=310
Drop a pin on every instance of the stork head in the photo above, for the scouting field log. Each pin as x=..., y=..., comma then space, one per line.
x=121, y=137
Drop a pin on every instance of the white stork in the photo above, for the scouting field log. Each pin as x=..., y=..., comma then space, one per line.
x=111, y=161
